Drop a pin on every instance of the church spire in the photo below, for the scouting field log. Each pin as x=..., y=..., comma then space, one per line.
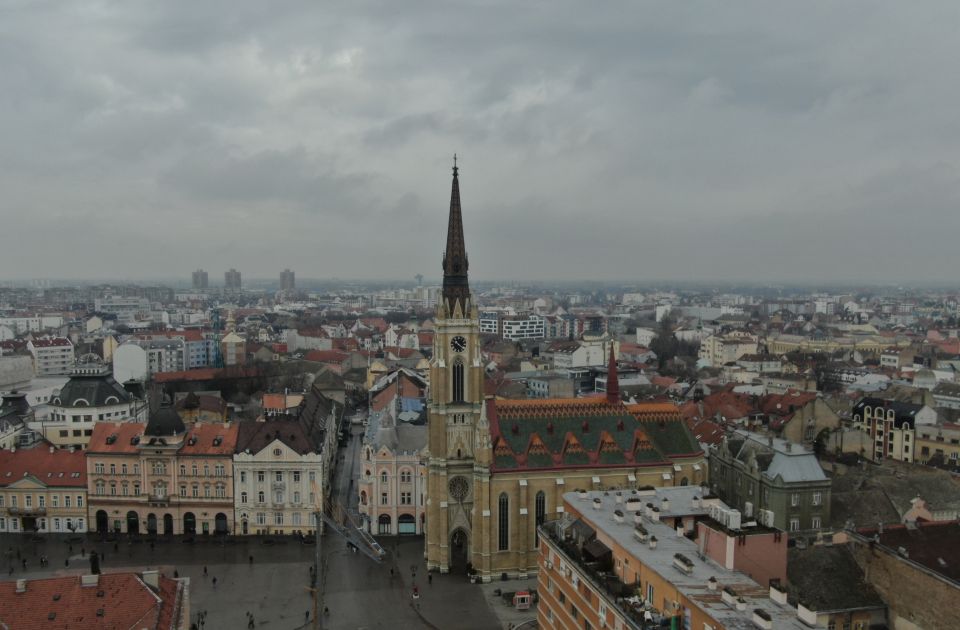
x=613, y=383
x=455, y=286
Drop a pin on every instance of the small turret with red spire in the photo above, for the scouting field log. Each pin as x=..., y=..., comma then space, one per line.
x=613, y=383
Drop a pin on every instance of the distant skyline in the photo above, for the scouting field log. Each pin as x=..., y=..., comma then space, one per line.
x=812, y=143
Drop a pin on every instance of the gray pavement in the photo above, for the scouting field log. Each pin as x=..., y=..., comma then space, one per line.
x=360, y=593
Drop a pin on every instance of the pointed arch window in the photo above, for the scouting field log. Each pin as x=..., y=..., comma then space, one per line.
x=457, y=389
x=540, y=509
x=503, y=522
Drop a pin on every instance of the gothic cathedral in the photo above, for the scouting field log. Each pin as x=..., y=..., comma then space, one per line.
x=498, y=469
x=459, y=440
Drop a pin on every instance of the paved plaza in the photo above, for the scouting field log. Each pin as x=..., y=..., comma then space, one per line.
x=274, y=587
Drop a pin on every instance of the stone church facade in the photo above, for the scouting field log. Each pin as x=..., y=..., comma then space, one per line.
x=498, y=468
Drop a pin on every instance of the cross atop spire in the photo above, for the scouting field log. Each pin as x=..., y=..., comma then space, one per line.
x=613, y=382
x=455, y=285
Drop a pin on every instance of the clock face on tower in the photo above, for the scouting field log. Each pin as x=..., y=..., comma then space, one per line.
x=458, y=343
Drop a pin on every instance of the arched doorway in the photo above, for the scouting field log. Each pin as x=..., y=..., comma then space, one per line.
x=133, y=522
x=459, y=544
x=384, y=524
x=243, y=524
x=189, y=523
x=103, y=522
x=406, y=524
x=220, y=524
x=168, y=525
x=152, y=524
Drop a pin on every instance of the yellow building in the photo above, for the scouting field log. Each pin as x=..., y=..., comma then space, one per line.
x=497, y=468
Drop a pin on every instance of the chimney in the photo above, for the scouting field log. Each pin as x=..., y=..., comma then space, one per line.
x=89, y=580
x=21, y=586
x=152, y=579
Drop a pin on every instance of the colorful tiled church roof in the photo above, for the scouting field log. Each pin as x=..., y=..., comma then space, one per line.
x=586, y=433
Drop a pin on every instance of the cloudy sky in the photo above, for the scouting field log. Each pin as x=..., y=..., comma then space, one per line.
x=761, y=140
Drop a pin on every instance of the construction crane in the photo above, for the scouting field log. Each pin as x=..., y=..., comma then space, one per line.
x=337, y=518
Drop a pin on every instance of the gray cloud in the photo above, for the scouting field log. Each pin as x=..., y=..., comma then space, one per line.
x=624, y=140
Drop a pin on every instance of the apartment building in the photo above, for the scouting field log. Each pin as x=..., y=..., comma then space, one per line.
x=42, y=489
x=52, y=356
x=892, y=426
x=670, y=558
x=776, y=482
x=719, y=350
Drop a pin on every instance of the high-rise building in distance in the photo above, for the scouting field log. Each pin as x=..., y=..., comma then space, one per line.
x=287, y=280
x=200, y=279
x=231, y=280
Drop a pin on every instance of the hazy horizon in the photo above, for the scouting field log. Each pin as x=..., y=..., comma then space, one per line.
x=811, y=143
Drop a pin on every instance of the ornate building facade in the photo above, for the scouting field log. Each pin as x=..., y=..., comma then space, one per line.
x=497, y=468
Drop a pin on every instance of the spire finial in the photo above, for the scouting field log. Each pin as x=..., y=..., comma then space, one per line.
x=454, y=163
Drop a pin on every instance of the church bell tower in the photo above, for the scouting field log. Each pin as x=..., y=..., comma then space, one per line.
x=455, y=409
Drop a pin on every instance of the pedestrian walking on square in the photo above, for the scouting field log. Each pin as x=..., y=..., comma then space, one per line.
x=251, y=559
x=24, y=564
x=429, y=578
x=306, y=616
x=66, y=562
x=204, y=570
x=214, y=582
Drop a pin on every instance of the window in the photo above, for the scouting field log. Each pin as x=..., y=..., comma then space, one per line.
x=261, y=518
x=278, y=518
x=279, y=476
x=159, y=468
x=277, y=452
x=123, y=468
x=383, y=498
x=795, y=499
x=113, y=469
x=817, y=498
x=54, y=500
x=98, y=468
x=406, y=498
x=458, y=382
x=221, y=491
x=183, y=491
x=243, y=476
x=405, y=476
x=296, y=518
x=296, y=497
x=136, y=469
x=113, y=489
x=195, y=491
x=278, y=497
x=243, y=497
x=124, y=489
x=66, y=501
x=540, y=511
x=794, y=524
x=815, y=522
x=383, y=477
x=260, y=497
x=503, y=522
x=206, y=470
x=296, y=476
x=219, y=470
x=206, y=491
x=313, y=476
x=260, y=476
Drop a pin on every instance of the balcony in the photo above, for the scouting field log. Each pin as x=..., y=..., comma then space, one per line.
x=604, y=581
x=27, y=511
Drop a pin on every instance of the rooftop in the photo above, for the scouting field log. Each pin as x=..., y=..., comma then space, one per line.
x=598, y=510
x=54, y=467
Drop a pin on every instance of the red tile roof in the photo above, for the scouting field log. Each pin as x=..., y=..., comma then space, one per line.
x=63, y=603
x=327, y=356
x=59, y=468
x=48, y=342
x=124, y=433
x=192, y=334
x=201, y=439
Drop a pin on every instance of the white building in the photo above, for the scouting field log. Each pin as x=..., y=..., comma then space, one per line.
x=91, y=395
x=277, y=473
x=721, y=349
x=32, y=323
x=127, y=309
x=51, y=355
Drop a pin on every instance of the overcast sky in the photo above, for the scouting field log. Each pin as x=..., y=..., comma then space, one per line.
x=808, y=141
